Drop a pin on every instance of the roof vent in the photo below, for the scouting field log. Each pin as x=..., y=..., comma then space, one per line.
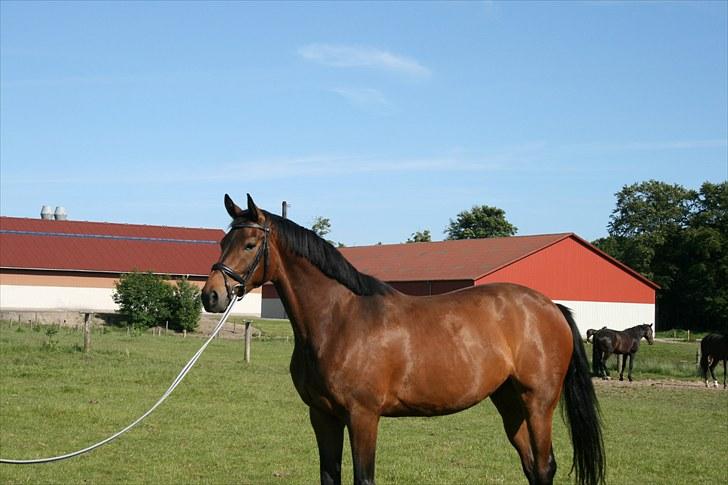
x=60, y=214
x=46, y=213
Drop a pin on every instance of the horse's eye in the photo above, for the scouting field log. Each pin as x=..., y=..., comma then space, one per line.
x=249, y=246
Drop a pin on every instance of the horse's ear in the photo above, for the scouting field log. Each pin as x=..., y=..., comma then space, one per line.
x=253, y=213
x=232, y=208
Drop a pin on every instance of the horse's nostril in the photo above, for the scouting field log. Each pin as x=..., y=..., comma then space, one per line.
x=209, y=299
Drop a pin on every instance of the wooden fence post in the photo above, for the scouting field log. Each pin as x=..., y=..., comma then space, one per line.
x=248, y=336
x=87, y=332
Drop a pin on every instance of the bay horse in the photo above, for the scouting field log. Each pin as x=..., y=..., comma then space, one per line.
x=363, y=350
x=713, y=349
x=625, y=343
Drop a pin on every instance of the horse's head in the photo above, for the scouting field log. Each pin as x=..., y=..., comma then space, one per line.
x=648, y=333
x=243, y=263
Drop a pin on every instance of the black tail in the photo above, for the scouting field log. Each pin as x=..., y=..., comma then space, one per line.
x=582, y=412
x=596, y=357
x=704, y=364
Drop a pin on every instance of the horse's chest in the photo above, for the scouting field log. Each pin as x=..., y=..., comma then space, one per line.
x=307, y=379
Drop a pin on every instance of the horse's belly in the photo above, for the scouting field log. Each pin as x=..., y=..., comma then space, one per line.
x=434, y=395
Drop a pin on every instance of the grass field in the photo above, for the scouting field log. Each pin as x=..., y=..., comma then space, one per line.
x=232, y=423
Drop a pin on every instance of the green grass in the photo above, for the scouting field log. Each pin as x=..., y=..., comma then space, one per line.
x=269, y=328
x=232, y=423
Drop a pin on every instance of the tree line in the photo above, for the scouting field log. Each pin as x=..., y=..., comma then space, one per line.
x=678, y=238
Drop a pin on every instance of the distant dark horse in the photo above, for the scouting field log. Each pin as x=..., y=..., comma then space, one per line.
x=713, y=349
x=364, y=350
x=625, y=343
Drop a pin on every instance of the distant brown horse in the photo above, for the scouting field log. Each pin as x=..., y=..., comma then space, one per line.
x=625, y=343
x=713, y=349
x=364, y=350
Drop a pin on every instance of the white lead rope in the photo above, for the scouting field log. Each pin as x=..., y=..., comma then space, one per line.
x=166, y=394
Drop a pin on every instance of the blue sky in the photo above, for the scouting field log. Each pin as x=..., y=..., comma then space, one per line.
x=387, y=118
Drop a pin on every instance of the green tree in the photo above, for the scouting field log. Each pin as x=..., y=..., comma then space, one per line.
x=420, y=236
x=186, y=306
x=678, y=238
x=143, y=299
x=647, y=216
x=321, y=226
x=480, y=222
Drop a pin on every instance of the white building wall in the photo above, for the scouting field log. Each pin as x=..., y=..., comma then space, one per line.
x=273, y=308
x=27, y=297
x=614, y=315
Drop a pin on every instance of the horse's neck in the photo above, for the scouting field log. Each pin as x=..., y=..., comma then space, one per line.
x=308, y=297
x=635, y=334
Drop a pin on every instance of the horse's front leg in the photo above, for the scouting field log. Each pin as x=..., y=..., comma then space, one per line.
x=631, y=363
x=363, y=426
x=330, y=439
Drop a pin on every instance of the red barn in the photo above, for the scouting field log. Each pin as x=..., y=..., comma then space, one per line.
x=71, y=266
x=601, y=290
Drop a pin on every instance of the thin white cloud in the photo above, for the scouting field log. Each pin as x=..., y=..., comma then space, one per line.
x=368, y=99
x=359, y=56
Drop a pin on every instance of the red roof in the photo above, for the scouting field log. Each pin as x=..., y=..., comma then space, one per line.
x=106, y=247
x=466, y=259
x=119, y=248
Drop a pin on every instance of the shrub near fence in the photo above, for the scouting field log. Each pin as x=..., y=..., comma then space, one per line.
x=147, y=300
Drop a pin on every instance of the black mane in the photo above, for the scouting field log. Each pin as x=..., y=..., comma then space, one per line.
x=307, y=244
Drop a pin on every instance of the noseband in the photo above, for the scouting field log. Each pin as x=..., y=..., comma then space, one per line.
x=242, y=280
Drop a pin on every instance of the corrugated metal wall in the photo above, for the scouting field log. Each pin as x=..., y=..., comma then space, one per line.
x=570, y=271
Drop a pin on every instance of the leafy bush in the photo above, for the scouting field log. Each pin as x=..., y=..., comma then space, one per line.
x=186, y=306
x=144, y=299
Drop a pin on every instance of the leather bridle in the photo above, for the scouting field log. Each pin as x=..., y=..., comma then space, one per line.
x=242, y=280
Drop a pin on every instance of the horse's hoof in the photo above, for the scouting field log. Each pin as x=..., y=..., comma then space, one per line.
x=630, y=379
x=621, y=378
x=716, y=384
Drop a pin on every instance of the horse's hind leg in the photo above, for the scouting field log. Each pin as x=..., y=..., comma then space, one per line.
x=605, y=369
x=540, y=407
x=712, y=364
x=507, y=400
x=527, y=418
